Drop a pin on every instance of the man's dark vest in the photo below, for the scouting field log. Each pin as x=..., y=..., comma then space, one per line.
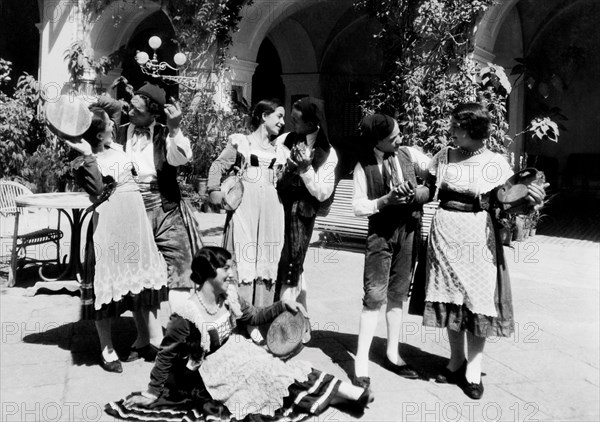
x=291, y=188
x=166, y=174
x=391, y=217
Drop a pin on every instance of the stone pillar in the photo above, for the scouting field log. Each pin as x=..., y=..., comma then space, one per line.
x=240, y=74
x=58, y=30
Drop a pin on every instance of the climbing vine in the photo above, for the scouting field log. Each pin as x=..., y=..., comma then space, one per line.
x=428, y=70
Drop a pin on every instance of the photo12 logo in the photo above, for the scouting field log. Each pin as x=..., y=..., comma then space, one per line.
x=469, y=411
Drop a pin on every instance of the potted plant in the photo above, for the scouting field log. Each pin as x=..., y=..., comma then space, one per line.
x=507, y=227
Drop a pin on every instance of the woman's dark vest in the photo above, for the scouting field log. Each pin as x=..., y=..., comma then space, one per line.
x=389, y=218
x=166, y=174
x=291, y=188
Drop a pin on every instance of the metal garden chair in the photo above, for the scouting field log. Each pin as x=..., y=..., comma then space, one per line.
x=22, y=237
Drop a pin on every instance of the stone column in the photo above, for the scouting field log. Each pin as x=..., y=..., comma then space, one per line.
x=240, y=75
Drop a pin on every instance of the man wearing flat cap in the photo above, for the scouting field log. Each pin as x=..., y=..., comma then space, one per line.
x=156, y=150
x=306, y=189
x=386, y=191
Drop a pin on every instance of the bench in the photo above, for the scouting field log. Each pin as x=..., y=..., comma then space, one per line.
x=341, y=220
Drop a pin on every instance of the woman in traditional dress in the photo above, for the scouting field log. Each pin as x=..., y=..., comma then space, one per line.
x=254, y=231
x=123, y=269
x=467, y=284
x=204, y=371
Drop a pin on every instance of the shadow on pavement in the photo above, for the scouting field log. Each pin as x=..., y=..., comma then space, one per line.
x=81, y=339
x=341, y=347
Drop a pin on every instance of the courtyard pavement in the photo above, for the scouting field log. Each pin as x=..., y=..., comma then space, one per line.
x=549, y=369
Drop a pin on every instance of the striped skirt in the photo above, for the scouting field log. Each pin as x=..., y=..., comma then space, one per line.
x=307, y=398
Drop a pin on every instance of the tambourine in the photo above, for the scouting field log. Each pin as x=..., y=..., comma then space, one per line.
x=68, y=117
x=287, y=334
x=513, y=194
x=233, y=191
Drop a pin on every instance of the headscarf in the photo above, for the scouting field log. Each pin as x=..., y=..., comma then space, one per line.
x=376, y=127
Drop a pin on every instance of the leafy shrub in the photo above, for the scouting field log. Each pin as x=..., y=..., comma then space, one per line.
x=28, y=151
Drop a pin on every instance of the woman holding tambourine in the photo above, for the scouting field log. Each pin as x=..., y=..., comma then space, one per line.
x=467, y=284
x=124, y=270
x=255, y=224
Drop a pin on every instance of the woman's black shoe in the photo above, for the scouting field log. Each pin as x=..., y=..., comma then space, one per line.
x=366, y=398
x=473, y=390
x=452, y=377
x=148, y=353
x=114, y=366
x=405, y=371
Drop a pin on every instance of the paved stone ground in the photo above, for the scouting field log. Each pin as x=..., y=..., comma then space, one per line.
x=549, y=370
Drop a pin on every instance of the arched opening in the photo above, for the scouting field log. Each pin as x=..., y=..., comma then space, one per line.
x=19, y=38
x=346, y=78
x=156, y=24
x=267, y=82
x=564, y=64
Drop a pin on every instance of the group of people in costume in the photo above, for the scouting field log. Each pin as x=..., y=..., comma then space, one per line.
x=147, y=251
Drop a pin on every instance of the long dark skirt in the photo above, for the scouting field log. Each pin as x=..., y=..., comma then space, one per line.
x=306, y=399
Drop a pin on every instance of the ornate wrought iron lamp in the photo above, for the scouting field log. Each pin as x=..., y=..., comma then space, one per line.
x=152, y=66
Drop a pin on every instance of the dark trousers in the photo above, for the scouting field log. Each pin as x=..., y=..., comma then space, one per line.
x=389, y=262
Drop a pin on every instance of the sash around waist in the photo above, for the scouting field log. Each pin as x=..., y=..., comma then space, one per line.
x=457, y=201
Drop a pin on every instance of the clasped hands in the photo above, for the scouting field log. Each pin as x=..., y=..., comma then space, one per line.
x=402, y=194
x=300, y=157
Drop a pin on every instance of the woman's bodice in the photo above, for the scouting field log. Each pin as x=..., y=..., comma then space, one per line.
x=475, y=175
x=116, y=164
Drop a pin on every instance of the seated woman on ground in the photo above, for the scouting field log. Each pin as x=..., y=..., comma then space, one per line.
x=204, y=370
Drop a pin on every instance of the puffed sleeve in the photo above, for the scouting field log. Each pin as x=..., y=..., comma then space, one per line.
x=176, y=334
x=88, y=175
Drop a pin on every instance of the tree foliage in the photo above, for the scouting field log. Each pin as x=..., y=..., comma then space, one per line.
x=428, y=68
x=28, y=151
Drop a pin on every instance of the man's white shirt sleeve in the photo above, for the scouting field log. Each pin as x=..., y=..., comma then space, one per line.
x=179, y=150
x=361, y=204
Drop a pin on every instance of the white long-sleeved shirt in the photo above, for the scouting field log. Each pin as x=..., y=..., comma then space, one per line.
x=319, y=183
x=361, y=204
x=179, y=152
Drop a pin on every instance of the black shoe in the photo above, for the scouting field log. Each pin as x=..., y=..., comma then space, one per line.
x=114, y=366
x=148, y=353
x=362, y=382
x=356, y=408
x=473, y=390
x=452, y=377
x=405, y=371
x=366, y=398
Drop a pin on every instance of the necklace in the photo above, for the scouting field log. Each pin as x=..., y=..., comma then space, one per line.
x=468, y=153
x=265, y=147
x=208, y=311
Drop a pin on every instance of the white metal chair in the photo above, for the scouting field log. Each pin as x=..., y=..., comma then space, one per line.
x=23, y=237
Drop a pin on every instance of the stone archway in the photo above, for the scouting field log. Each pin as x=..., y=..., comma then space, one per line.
x=546, y=34
x=135, y=26
x=499, y=40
